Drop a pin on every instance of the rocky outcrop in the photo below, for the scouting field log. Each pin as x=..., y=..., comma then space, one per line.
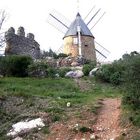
x=71, y=61
x=18, y=44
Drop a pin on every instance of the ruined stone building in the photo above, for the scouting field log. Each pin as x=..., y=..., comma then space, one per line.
x=71, y=40
x=18, y=44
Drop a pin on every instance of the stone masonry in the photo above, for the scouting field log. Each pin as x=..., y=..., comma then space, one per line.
x=18, y=44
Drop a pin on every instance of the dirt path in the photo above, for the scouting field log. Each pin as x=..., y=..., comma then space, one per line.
x=107, y=125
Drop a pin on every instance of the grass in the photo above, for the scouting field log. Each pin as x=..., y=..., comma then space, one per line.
x=33, y=87
x=50, y=96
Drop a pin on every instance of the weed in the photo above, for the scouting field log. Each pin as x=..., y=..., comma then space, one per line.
x=45, y=130
x=56, y=117
x=84, y=129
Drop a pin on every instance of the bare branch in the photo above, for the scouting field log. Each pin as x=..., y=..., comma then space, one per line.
x=3, y=16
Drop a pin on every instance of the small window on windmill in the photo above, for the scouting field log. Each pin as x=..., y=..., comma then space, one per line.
x=75, y=40
x=86, y=44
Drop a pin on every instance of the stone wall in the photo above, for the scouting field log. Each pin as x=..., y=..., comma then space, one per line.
x=69, y=47
x=18, y=44
x=87, y=48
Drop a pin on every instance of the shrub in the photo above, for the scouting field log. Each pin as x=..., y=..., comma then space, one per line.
x=37, y=69
x=88, y=67
x=61, y=55
x=115, y=78
x=63, y=71
x=41, y=69
x=112, y=73
x=51, y=72
x=132, y=81
x=15, y=65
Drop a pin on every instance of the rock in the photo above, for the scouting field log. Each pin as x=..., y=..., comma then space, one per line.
x=57, y=75
x=74, y=74
x=92, y=136
x=30, y=36
x=25, y=127
x=76, y=127
x=1, y=76
x=93, y=72
x=70, y=74
x=18, y=138
x=21, y=32
x=74, y=64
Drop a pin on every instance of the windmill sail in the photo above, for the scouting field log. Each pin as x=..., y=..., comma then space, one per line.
x=93, y=16
x=89, y=12
x=101, y=52
x=98, y=20
x=58, y=21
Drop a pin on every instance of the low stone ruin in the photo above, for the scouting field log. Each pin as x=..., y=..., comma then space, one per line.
x=18, y=44
x=71, y=61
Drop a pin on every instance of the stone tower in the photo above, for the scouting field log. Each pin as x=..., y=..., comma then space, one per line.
x=71, y=40
x=18, y=44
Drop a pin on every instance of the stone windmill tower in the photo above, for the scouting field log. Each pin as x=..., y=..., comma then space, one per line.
x=78, y=38
x=79, y=41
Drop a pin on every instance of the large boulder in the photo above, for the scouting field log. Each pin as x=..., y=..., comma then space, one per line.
x=74, y=74
x=93, y=72
x=25, y=127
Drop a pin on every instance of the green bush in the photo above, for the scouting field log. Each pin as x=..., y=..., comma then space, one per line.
x=14, y=65
x=63, y=71
x=132, y=80
x=61, y=55
x=112, y=73
x=115, y=78
x=37, y=69
x=51, y=72
x=41, y=69
x=88, y=67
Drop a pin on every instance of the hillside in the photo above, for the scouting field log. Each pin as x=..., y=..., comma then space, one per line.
x=90, y=114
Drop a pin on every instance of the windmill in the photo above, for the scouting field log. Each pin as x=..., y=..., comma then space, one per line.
x=78, y=38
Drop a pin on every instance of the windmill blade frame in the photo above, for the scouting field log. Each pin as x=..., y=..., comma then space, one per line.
x=98, y=20
x=58, y=21
x=89, y=12
x=94, y=16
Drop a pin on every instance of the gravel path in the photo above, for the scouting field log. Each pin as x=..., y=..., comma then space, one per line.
x=107, y=125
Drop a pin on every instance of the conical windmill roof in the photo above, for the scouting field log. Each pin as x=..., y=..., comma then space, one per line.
x=72, y=31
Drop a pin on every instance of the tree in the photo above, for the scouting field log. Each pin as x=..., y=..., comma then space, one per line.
x=3, y=16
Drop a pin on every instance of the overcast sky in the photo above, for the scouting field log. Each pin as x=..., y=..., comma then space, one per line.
x=118, y=30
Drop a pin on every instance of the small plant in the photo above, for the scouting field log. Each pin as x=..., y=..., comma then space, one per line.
x=55, y=118
x=45, y=130
x=54, y=110
x=84, y=129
